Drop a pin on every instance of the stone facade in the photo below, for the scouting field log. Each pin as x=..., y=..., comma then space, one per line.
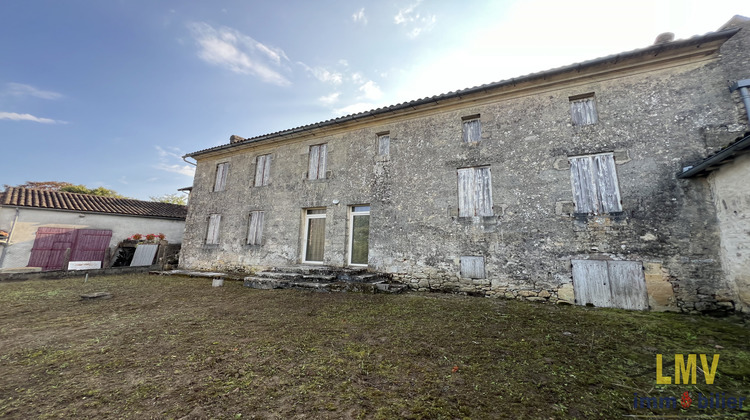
x=656, y=109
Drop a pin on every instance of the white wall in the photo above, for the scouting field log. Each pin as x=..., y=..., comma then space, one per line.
x=17, y=252
x=730, y=186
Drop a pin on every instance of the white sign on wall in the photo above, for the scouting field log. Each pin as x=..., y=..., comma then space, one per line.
x=84, y=265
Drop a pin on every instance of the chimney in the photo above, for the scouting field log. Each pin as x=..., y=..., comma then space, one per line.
x=664, y=38
x=235, y=139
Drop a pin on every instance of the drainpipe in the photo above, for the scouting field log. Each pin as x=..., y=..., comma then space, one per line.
x=10, y=237
x=195, y=164
x=743, y=85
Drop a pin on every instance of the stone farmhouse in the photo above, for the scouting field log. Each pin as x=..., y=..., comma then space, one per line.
x=567, y=185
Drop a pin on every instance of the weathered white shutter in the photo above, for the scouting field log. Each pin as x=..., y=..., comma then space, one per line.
x=322, y=161
x=212, y=235
x=483, y=185
x=221, y=176
x=255, y=230
x=472, y=130
x=472, y=267
x=628, y=285
x=606, y=179
x=384, y=145
x=583, y=111
x=591, y=283
x=584, y=188
x=466, y=196
x=262, y=170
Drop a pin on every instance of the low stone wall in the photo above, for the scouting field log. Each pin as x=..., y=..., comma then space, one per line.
x=56, y=275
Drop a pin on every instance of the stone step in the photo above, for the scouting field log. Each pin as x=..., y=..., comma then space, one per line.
x=266, y=283
x=279, y=275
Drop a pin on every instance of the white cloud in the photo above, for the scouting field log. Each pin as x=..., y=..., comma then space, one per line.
x=357, y=78
x=187, y=170
x=360, y=16
x=20, y=89
x=229, y=48
x=28, y=117
x=344, y=62
x=323, y=74
x=415, y=22
x=166, y=162
x=371, y=90
x=354, y=108
x=330, y=99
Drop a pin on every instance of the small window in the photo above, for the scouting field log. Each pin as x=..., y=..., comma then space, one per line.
x=221, y=176
x=262, y=170
x=472, y=129
x=384, y=144
x=317, y=165
x=212, y=233
x=472, y=267
x=594, y=180
x=474, y=192
x=583, y=109
x=255, y=229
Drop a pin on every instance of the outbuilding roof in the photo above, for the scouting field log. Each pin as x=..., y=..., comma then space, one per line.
x=738, y=147
x=56, y=200
x=655, y=50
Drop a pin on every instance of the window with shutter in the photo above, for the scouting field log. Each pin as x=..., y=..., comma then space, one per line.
x=472, y=267
x=262, y=170
x=474, y=192
x=255, y=229
x=317, y=165
x=212, y=233
x=583, y=109
x=594, y=181
x=384, y=144
x=472, y=129
x=221, y=176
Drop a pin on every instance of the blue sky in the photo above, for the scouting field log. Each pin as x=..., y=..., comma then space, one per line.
x=112, y=93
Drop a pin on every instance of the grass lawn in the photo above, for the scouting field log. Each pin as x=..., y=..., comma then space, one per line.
x=171, y=347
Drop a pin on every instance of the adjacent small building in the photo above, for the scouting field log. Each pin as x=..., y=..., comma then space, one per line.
x=557, y=186
x=42, y=225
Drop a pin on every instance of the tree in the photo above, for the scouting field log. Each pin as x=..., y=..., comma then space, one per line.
x=171, y=199
x=82, y=189
x=42, y=185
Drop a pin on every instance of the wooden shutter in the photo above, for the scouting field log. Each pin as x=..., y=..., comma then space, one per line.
x=606, y=182
x=472, y=267
x=90, y=244
x=312, y=170
x=472, y=130
x=221, y=176
x=255, y=229
x=49, y=247
x=584, y=189
x=262, y=170
x=591, y=283
x=212, y=234
x=583, y=111
x=384, y=145
x=474, y=192
x=628, y=285
x=466, y=196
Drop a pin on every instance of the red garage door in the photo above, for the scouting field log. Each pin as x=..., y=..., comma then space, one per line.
x=50, y=244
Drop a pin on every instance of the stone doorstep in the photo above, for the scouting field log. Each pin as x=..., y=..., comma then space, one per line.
x=318, y=270
x=279, y=275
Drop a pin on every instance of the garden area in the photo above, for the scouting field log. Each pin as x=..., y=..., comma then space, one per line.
x=175, y=347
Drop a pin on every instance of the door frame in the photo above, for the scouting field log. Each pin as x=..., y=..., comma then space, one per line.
x=350, y=240
x=306, y=232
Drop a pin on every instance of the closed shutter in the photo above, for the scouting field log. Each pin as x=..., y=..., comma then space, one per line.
x=466, y=196
x=90, y=244
x=607, y=188
x=474, y=192
x=472, y=131
x=628, y=285
x=262, y=170
x=212, y=234
x=591, y=283
x=583, y=111
x=221, y=176
x=584, y=189
x=472, y=267
x=384, y=145
x=48, y=251
x=255, y=230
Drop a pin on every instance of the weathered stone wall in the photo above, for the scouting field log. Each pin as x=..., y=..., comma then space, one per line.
x=731, y=195
x=652, y=119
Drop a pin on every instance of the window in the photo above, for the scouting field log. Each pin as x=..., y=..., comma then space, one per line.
x=221, y=176
x=255, y=229
x=212, y=233
x=317, y=166
x=474, y=192
x=315, y=235
x=583, y=109
x=594, y=180
x=384, y=144
x=472, y=129
x=262, y=170
x=359, y=234
x=472, y=267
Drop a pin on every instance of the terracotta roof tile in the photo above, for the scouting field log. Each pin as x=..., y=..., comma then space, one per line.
x=56, y=200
